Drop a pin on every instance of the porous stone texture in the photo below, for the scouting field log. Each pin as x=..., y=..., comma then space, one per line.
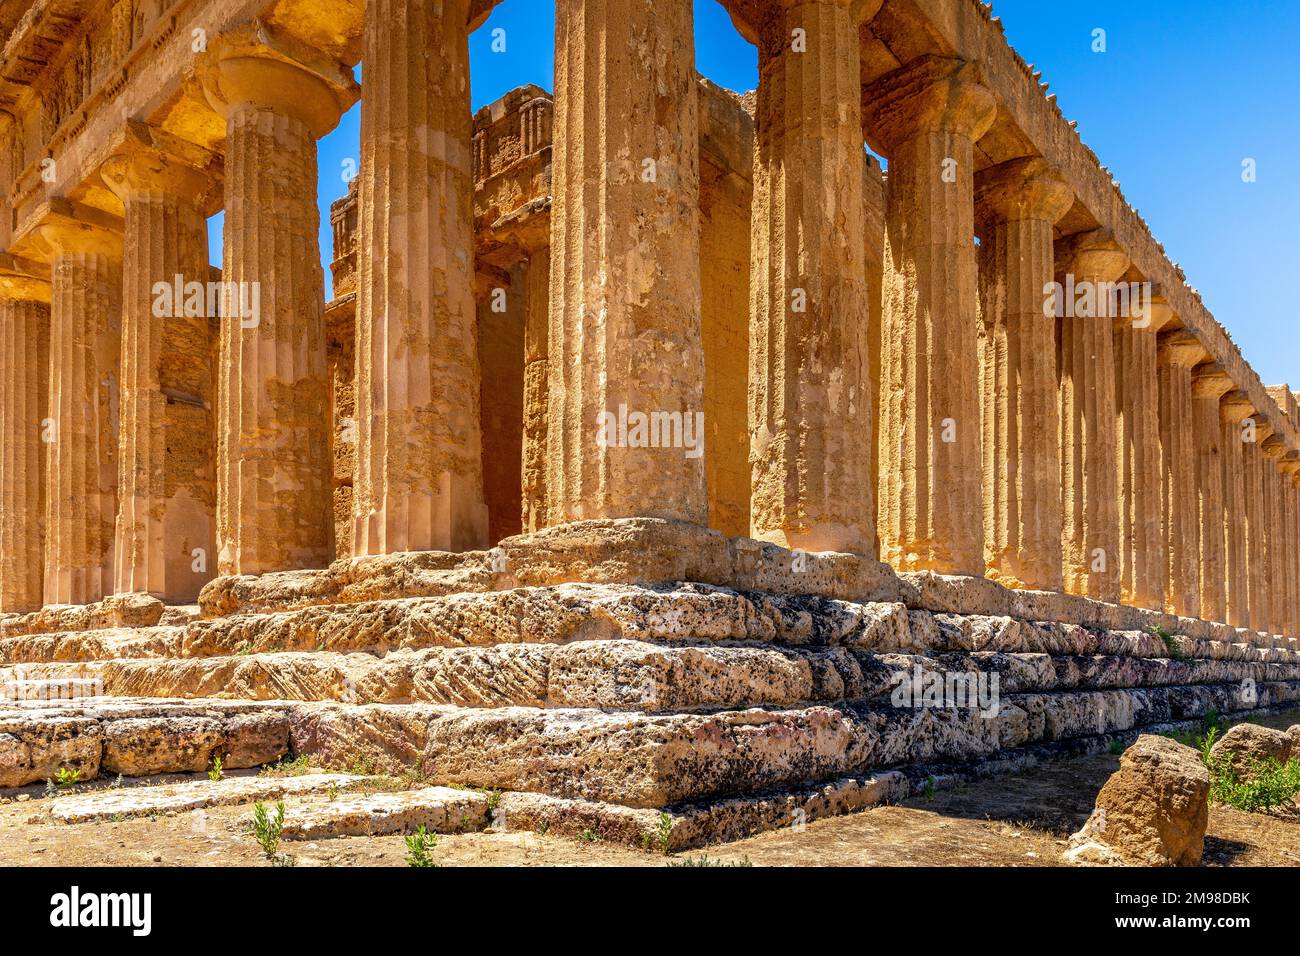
x=437, y=809
x=33, y=749
x=139, y=746
x=1153, y=811
x=1245, y=746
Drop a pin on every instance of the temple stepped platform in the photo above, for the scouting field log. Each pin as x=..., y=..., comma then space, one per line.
x=604, y=677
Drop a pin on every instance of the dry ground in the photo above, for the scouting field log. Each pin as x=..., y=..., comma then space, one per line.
x=1020, y=820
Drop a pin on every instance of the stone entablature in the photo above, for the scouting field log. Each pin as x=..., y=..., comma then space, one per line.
x=489, y=319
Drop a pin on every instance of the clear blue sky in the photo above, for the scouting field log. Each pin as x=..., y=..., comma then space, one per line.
x=1185, y=91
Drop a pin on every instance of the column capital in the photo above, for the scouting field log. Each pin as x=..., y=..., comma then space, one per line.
x=1209, y=380
x=1289, y=464
x=145, y=159
x=1092, y=255
x=751, y=17
x=1181, y=349
x=24, y=280
x=254, y=65
x=1235, y=407
x=66, y=227
x=1026, y=188
x=930, y=94
x=1159, y=309
x=1274, y=446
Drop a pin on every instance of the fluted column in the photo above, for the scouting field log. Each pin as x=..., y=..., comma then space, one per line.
x=419, y=474
x=1274, y=449
x=1179, y=353
x=82, y=433
x=926, y=119
x=1142, y=540
x=1235, y=407
x=537, y=284
x=24, y=398
x=274, y=501
x=166, y=520
x=1209, y=384
x=625, y=341
x=1022, y=200
x=810, y=418
x=1290, y=468
x=1257, y=558
x=1086, y=365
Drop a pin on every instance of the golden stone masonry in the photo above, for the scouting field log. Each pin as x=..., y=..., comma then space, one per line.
x=651, y=428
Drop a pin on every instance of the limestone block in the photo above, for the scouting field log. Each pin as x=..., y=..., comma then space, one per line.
x=32, y=750
x=1247, y=744
x=1153, y=811
x=437, y=809
x=254, y=739
x=137, y=747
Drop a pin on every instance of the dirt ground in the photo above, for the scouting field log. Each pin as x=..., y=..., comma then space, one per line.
x=1021, y=820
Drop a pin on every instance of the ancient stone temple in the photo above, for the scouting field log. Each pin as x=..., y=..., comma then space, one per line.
x=660, y=451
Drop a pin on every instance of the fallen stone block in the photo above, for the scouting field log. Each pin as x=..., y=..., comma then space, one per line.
x=1153, y=811
x=1246, y=745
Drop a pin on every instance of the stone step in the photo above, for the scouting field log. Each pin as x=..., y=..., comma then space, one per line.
x=94, y=737
x=576, y=613
x=113, y=802
x=609, y=674
x=437, y=809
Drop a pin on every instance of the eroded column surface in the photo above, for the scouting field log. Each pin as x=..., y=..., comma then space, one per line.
x=1022, y=505
x=1142, y=540
x=810, y=417
x=166, y=518
x=1209, y=384
x=624, y=435
x=1257, y=558
x=1274, y=449
x=82, y=432
x=537, y=280
x=1179, y=353
x=24, y=398
x=1234, y=408
x=926, y=120
x=1290, y=468
x=419, y=479
x=274, y=498
x=1091, y=263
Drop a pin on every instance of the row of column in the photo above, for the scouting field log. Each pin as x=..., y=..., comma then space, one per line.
x=1052, y=453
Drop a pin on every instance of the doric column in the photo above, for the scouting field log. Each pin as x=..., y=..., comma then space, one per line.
x=274, y=501
x=1235, y=407
x=1290, y=468
x=537, y=283
x=85, y=250
x=1257, y=562
x=1274, y=449
x=1179, y=353
x=926, y=119
x=626, y=357
x=1142, y=540
x=166, y=520
x=1022, y=200
x=419, y=473
x=810, y=418
x=1090, y=263
x=1209, y=384
x=24, y=398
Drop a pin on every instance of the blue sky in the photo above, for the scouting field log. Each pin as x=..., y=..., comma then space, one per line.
x=1185, y=90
